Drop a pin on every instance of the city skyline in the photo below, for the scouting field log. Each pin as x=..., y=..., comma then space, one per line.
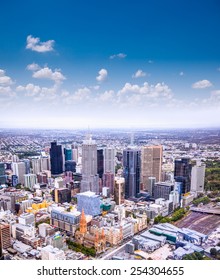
x=144, y=64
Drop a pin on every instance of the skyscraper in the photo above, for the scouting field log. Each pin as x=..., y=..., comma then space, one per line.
x=30, y=180
x=44, y=163
x=131, y=166
x=70, y=165
x=68, y=154
x=100, y=163
x=119, y=190
x=109, y=168
x=182, y=174
x=108, y=181
x=151, y=163
x=2, y=173
x=19, y=169
x=56, y=158
x=90, y=178
x=27, y=166
x=5, y=236
x=35, y=163
x=109, y=160
x=198, y=177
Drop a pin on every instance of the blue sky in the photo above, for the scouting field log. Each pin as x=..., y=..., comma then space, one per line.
x=110, y=63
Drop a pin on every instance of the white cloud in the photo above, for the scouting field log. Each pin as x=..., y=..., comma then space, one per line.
x=97, y=87
x=81, y=94
x=65, y=93
x=107, y=95
x=47, y=73
x=119, y=55
x=33, y=67
x=202, y=84
x=215, y=93
x=181, y=73
x=34, y=44
x=30, y=89
x=143, y=95
x=150, y=61
x=103, y=73
x=139, y=74
x=39, y=93
x=6, y=94
x=4, y=80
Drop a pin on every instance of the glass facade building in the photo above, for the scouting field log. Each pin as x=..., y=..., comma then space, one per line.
x=56, y=158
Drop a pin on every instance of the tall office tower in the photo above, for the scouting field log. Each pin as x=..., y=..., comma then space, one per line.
x=119, y=190
x=100, y=163
x=131, y=170
x=30, y=180
x=108, y=181
x=27, y=166
x=2, y=173
x=90, y=178
x=182, y=174
x=5, y=236
x=56, y=158
x=68, y=154
x=198, y=177
x=109, y=160
x=75, y=154
x=109, y=168
x=14, y=180
x=150, y=183
x=70, y=165
x=35, y=163
x=44, y=163
x=151, y=164
x=19, y=170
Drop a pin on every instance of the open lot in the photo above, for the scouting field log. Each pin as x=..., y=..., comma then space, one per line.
x=204, y=223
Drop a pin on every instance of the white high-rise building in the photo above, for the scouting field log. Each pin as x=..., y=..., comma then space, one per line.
x=198, y=177
x=19, y=169
x=109, y=160
x=30, y=180
x=35, y=162
x=44, y=163
x=90, y=178
x=75, y=154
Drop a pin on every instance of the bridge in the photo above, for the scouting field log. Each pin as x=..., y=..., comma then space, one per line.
x=206, y=210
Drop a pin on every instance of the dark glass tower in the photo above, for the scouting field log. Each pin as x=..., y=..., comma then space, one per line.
x=68, y=154
x=56, y=158
x=70, y=165
x=182, y=174
x=2, y=173
x=131, y=166
x=100, y=162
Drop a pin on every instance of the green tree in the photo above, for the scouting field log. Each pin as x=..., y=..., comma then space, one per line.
x=213, y=252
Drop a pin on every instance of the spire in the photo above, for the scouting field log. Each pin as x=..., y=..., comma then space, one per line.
x=83, y=223
x=97, y=236
x=103, y=234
